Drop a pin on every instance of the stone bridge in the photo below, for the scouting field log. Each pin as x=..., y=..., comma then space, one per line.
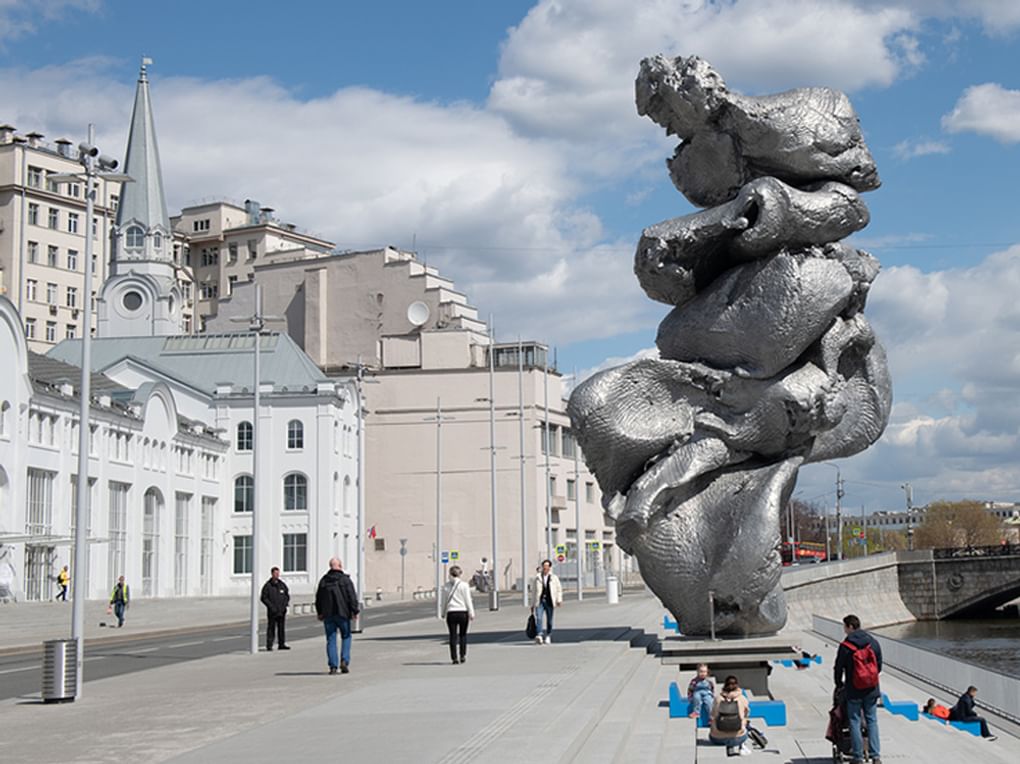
x=947, y=583
x=905, y=586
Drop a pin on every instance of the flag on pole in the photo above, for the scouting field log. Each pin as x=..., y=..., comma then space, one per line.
x=371, y=532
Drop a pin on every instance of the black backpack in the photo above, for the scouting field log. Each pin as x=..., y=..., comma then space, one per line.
x=728, y=719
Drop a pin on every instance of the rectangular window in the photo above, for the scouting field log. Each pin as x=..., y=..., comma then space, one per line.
x=74, y=504
x=242, y=555
x=232, y=250
x=39, y=517
x=33, y=213
x=70, y=331
x=295, y=552
x=589, y=493
x=205, y=570
x=114, y=202
x=52, y=253
x=72, y=259
x=209, y=291
x=30, y=328
x=231, y=283
x=33, y=251
x=72, y=222
x=72, y=297
x=51, y=293
x=95, y=228
x=181, y=544
x=53, y=218
x=569, y=444
x=117, y=551
x=51, y=331
x=380, y=545
x=571, y=490
x=253, y=248
x=200, y=225
x=552, y=485
x=35, y=175
x=74, y=189
x=31, y=289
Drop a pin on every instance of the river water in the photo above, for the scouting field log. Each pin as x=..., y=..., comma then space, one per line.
x=992, y=643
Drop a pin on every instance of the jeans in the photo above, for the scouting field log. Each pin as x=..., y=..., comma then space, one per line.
x=118, y=610
x=331, y=624
x=457, y=623
x=702, y=705
x=275, y=628
x=854, y=706
x=63, y=593
x=729, y=742
x=544, y=609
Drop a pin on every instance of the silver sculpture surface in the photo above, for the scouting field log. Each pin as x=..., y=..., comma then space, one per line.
x=767, y=361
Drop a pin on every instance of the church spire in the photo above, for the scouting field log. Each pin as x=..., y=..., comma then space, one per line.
x=143, y=225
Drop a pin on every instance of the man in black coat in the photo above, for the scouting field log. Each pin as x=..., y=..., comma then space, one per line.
x=963, y=711
x=859, y=700
x=276, y=597
x=336, y=603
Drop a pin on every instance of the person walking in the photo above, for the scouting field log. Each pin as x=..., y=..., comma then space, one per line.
x=119, y=600
x=276, y=598
x=63, y=581
x=458, y=609
x=963, y=711
x=336, y=603
x=547, y=594
x=857, y=669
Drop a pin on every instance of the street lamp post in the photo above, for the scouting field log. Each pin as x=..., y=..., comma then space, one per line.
x=439, y=419
x=523, y=457
x=839, y=510
x=494, y=591
x=95, y=166
x=909, y=491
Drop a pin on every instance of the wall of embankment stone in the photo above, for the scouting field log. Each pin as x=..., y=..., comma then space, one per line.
x=868, y=587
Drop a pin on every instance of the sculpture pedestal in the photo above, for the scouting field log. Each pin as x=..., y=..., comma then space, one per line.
x=748, y=659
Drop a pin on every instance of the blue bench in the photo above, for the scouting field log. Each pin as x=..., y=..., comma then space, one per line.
x=905, y=708
x=974, y=728
x=772, y=712
x=805, y=662
x=668, y=623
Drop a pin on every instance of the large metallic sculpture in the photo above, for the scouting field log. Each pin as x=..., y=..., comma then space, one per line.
x=767, y=361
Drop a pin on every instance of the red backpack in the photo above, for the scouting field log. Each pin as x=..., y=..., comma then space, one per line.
x=864, y=669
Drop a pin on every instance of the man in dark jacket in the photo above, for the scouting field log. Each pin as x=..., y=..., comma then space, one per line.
x=963, y=711
x=859, y=700
x=276, y=597
x=336, y=603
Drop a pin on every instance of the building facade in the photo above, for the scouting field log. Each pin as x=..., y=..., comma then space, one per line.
x=420, y=346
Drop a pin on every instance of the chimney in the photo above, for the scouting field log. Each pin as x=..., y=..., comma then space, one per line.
x=265, y=214
x=251, y=209
x=34, y=139
x=6, y=133
x=64, y=147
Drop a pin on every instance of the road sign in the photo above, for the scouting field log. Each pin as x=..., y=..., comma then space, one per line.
x=455, y=555
x=561, y=557
x=594, y=545
x=857, y=532
x=444, y=558
x=561, y=550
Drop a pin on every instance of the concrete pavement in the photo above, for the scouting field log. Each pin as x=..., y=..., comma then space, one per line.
x=589, y=697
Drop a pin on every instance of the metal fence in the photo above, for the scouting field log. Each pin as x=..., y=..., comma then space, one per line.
x=998, y=550
x=999, y=692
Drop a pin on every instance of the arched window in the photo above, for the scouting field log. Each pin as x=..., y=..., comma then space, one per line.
x=244, y=494
x=157, y=240
x=295, y=434
x=245, y=436
x=295, y=492
x=4, y=408
x=134, y=237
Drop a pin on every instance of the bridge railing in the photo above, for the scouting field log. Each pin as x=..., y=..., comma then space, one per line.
x=998, y=550
x=998, y=692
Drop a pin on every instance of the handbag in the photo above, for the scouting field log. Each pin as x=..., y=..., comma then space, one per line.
x=757, y=737
x=532, y=628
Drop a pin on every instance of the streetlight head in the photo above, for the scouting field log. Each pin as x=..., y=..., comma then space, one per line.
x=107, y=164
x=88, y=150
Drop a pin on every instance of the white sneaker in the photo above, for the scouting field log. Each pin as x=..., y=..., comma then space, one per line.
x=745, y=749
x=548, y=639
x=538, y=639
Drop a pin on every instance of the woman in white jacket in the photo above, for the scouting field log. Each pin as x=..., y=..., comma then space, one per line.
x=458, y=610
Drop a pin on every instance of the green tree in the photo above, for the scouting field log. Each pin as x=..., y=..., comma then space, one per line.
x=956, y=524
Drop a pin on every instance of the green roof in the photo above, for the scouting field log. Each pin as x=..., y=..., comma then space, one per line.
x=205, y=361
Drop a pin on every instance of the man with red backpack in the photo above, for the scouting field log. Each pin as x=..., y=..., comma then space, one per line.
x=858, y=664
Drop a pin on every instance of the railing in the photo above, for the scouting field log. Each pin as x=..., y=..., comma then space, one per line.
x=999, y=692
x=998, y=550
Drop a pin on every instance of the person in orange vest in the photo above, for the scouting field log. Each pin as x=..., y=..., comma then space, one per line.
x=63, y=581
x=934, y=709
x=119, y=599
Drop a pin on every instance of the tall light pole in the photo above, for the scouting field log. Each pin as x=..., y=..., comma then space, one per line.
x=578, y=534
x=95, y=166
x=839, y=510
x=524, y=500
x=439, y=419
x=494, y=591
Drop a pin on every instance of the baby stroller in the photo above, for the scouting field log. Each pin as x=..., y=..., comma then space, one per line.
x=838, y=732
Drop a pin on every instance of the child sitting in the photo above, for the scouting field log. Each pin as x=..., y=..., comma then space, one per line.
x=700, y=695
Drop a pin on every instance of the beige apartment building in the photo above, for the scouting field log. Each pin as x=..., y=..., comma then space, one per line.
x=420, y=344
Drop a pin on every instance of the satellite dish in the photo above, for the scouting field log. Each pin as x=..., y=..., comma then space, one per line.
x=418, y=313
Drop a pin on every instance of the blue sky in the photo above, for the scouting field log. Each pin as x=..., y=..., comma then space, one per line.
x=503, y=138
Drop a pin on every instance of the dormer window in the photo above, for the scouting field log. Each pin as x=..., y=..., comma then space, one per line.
x=157, y=240
x=135, y=237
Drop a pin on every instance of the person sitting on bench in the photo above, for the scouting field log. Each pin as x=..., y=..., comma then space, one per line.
x=963, y=711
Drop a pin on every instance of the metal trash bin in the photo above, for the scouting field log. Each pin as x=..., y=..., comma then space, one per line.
x=60, y=670
x=612, y=590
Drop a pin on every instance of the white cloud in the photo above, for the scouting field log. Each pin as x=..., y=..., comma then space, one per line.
x=19, y=18
x=987, y=109
x=911, y=149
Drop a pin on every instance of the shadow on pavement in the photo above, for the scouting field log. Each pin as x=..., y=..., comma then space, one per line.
x=301, y=673
x=559, y=636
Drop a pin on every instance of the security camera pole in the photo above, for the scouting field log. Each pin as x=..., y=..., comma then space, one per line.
x=95, y=166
